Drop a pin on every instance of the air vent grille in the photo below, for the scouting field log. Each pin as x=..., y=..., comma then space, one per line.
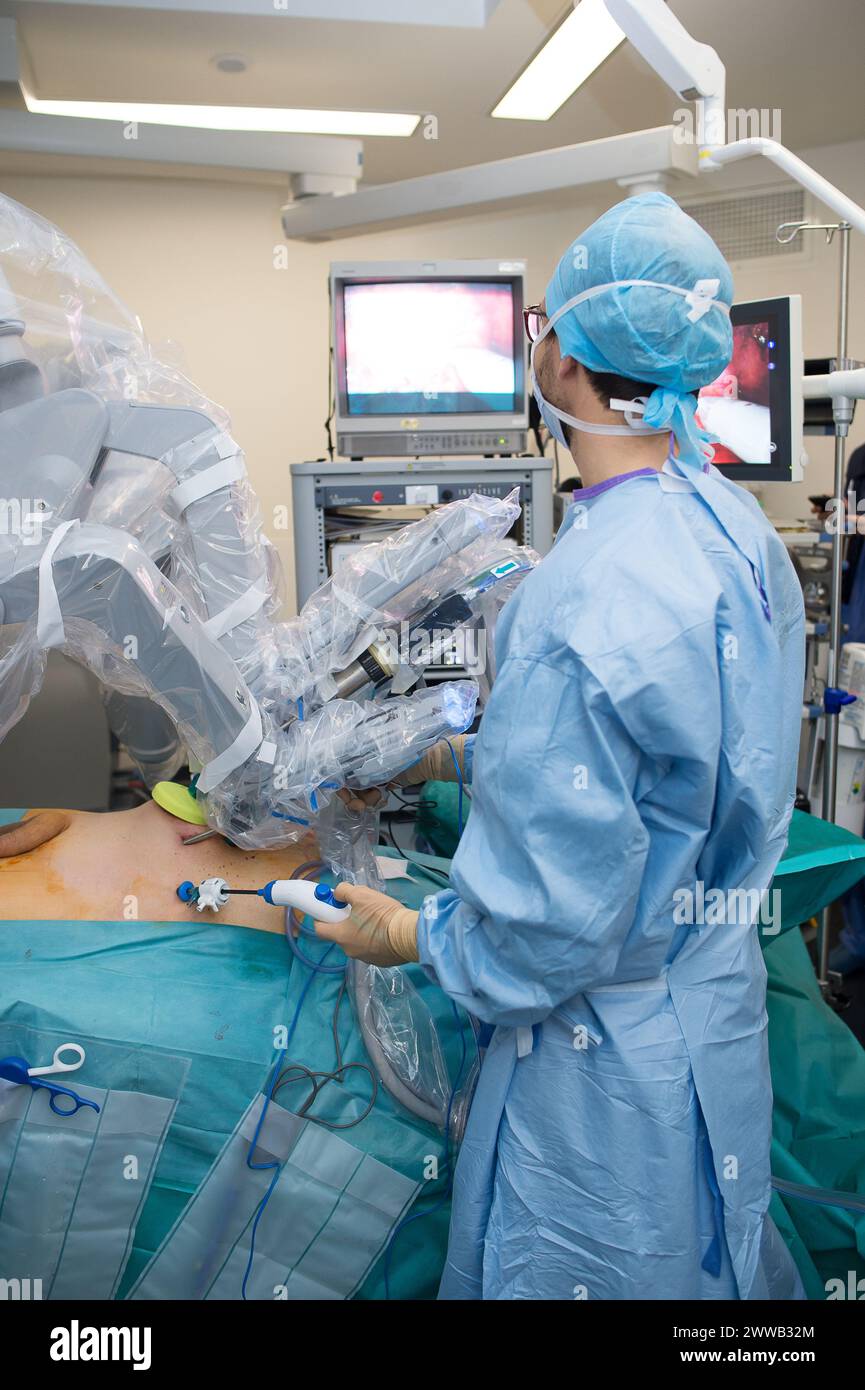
x=744, y=227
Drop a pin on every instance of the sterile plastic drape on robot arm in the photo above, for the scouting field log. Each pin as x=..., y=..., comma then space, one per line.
x=219, y=557
x=92, y=591
x=370, y=747
x=473, y=606
x=385, y=584
x=226, y=569
x=22, y=668
x=61, y=330
x=77, y=332
x=123, y=618
x=288, y=787
x=146, y=562
x=100, y=599
x=166, y=586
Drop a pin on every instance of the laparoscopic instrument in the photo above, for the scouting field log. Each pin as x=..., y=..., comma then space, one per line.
x=316, y=899
x=398, y=1031
x=19, y=1071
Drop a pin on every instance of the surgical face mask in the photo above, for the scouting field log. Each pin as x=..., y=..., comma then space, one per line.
x=701, y=298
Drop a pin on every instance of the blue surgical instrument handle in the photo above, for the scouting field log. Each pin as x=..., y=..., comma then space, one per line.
x=16, y=1069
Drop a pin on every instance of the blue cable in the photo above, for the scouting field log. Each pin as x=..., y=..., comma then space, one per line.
x=275, y=1165
x=314, y=965
x=459, y=777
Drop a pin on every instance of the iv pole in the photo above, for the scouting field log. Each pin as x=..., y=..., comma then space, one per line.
x=842, y=413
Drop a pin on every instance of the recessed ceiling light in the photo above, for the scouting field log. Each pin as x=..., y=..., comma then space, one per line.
x=230, y=62
x=567, y=59
x=284, y=121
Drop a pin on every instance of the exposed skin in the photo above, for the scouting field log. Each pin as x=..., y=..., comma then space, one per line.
x=126, y=865
x=598, y=457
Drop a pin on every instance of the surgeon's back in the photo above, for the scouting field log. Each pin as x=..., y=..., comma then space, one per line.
x=672, y=643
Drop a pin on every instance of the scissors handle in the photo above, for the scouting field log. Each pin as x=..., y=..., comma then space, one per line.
x=58, y=1064
x=56, y=1091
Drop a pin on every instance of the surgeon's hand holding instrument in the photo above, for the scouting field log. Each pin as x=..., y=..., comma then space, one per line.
x=19, y=1071
x=444, y=762
x=382, y=932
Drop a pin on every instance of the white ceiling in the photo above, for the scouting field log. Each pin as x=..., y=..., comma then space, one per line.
x=804, y=57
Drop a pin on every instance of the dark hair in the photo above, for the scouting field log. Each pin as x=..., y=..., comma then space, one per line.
x=608, y=387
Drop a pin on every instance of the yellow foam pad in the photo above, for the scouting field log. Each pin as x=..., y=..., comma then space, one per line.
x=179, y=802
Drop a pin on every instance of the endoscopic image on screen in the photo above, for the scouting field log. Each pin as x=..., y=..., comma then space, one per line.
x=429, y=348
x=735, y=406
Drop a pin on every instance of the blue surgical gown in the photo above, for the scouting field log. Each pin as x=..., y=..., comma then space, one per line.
x=640, y=742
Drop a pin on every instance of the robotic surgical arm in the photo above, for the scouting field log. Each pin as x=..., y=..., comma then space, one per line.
x=129, y=539
x=132, y=543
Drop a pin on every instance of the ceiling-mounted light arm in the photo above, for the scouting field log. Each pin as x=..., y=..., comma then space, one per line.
x=837, y=385
x=452, y=192
x=797, y=170
x=693, y=70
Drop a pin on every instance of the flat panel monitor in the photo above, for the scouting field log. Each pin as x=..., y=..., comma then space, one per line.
x=755, y=406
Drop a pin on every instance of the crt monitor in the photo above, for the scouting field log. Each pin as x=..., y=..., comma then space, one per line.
x=429, y=357
x=755, y=406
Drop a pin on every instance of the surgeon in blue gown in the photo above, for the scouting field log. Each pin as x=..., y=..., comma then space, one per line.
x=633, y=781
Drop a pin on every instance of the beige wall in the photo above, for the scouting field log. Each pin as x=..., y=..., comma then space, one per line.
x=195, y=259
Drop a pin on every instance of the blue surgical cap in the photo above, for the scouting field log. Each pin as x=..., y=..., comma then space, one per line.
x=639, y=331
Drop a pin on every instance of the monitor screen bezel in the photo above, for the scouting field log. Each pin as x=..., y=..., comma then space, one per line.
x=466, y=272
x=783, y=313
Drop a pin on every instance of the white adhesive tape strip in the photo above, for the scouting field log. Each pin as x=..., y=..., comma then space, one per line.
x=237, y=612
x=222, y=474
x=49, y=619
x=236, y=753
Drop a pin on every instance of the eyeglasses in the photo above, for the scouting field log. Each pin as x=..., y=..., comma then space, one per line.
x=534, y=318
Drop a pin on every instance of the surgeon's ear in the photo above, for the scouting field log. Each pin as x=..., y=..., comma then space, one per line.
x=568, y=367
x=31, y=833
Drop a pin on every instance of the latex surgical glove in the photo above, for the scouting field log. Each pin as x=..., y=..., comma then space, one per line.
x=379, y=931
x=436, y=765
x=360, y=800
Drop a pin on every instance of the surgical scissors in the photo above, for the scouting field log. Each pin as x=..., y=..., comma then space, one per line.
x=19, y=1071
